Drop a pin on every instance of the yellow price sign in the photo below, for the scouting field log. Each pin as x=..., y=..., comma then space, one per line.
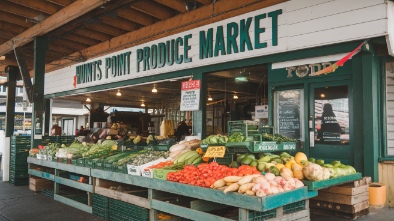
x=215, y=151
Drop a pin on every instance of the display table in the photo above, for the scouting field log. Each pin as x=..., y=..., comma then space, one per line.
x=171, y=197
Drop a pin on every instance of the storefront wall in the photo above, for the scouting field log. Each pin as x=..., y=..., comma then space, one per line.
x=297, y=29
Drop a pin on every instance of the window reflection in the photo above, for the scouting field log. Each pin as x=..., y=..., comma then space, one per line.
x=332, y=115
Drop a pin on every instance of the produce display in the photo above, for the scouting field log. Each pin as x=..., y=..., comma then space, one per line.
x=278, y=138
x=205, y=174
x=215, y=140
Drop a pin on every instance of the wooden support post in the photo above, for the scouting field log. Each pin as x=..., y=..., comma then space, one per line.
x=12, y=73
x=40, y=48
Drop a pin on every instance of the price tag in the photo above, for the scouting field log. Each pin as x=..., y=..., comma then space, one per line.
x=215, y=151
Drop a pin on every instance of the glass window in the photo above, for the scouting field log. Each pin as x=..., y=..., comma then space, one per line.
x=332, y=115
x=289, y=113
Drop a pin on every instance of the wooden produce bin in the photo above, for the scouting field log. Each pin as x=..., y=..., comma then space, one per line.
x=349, y=200
x=37, y=184
x=132, y=194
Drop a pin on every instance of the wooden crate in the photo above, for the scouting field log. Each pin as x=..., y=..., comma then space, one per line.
x=131, y=196
x=386, y=171
x=349, y=200
x=37, y=184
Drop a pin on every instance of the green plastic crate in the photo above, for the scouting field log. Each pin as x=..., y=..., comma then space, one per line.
x=108, y=166
x=100, y=206
x=19, y=181
x=74, y=161
x=119, y=210
x=81, y=161
x=99, y=164
x=294, y=207
x=81, y=198
x=259, y=216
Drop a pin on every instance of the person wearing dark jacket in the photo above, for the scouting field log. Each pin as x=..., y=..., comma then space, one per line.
x=330, y=126
x=181, y=130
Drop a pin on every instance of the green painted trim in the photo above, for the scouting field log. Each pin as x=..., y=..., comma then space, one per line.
x=199, y=117
x=61, y=166
x=391, y=158
x=41, y=174
x=370, y=116
x=74, y=184
x=72, y=203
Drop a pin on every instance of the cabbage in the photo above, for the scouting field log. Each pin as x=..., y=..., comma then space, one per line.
x=313, y=172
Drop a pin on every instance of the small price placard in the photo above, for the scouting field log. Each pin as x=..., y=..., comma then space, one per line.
x=215, y=151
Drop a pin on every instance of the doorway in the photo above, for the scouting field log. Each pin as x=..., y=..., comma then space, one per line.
x=329, y=111
x=319, y=115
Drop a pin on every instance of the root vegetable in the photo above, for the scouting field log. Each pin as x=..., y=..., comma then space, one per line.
x=259, y=179
x=232, y=179
x=232, y=188
x=250, y=193
x=247, y=179
x=269, y=176
x=286, y=173
x=219, y=183
x=247, y=186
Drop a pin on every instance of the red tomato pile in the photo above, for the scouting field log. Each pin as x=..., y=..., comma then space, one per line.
x=205, y=174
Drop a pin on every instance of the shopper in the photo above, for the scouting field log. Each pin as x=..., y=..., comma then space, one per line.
x=56, y=130
x=181, y=130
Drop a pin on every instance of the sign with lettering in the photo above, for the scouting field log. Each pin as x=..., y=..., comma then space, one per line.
x=190, y=95
x=215, y=151
x=261, y=111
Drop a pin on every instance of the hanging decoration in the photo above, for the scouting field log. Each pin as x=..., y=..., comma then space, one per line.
x=341, y=62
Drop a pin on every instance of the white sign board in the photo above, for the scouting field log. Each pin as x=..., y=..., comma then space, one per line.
x=190, y=95
x=261, y=111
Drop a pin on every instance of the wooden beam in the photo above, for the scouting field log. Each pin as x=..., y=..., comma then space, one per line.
x=18, y=9
x=15, y=19
x=11, y=28
x=82, y=39
x=106, y=29
x=177, y=24
x=153, y=9
x=136, y=16
x=24, y=70
x=93, y=34
x=204, y=2
x=56, y=20
x=42, y=6
x=73, y=45
x=61, y=2
x=120, y=23
x=178, y=5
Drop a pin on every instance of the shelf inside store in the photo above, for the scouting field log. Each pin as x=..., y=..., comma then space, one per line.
x=61, y=166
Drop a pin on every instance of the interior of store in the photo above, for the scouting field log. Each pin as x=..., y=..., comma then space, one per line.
x=232, y=95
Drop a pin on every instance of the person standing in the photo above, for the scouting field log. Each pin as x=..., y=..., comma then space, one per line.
x=56, y=130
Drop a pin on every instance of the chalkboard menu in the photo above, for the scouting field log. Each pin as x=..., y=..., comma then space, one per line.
x=288, y=118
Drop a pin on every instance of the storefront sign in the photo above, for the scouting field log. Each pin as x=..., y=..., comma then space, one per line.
x=190, y=95
x=261, y=111
x=306, y=70
x=215, y=151
x=231, y=38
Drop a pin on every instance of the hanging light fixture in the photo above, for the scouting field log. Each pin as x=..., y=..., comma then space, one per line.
x=210, y=98
x=154, y=90
x=88, y=100
x=142, y=104
x=235, y=96
x=118, y=94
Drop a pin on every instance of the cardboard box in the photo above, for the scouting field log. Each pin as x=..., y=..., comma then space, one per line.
x=36, y=188
x=40, y=181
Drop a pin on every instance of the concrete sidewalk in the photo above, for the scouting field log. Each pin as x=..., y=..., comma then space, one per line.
x=18, y=203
